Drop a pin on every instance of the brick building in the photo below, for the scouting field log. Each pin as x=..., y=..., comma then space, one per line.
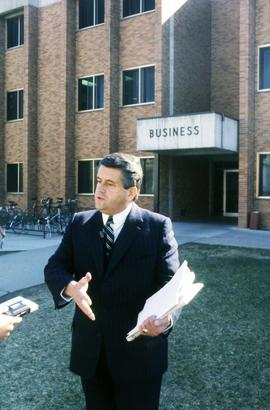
x=184, y=84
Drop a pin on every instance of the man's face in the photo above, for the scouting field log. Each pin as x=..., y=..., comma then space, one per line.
x=110, y=195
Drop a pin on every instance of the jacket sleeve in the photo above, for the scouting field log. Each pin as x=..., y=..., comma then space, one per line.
x=168, y=261
x=60, y=268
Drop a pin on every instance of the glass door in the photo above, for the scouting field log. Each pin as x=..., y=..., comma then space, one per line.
x=230, y=192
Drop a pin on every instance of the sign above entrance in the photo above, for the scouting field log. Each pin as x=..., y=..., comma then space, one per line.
x=209, y=131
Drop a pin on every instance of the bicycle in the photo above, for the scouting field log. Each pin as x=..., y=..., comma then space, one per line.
x=2, y=237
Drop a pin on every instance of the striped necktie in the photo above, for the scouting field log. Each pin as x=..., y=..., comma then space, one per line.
x=108, y=236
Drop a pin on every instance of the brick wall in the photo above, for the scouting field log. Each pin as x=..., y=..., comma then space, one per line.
x=52, y=77
x=262, y=104
x=246, y=110
x=225, y=56
x=140, y=44
x=192, y=57
x=14, y=130
x=2, y=111
x=30, y=104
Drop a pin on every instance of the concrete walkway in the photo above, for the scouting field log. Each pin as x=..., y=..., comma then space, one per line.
x=24, y=267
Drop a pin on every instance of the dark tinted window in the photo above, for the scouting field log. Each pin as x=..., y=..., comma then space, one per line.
x=131, y=7
x=131, y=87
x=20, y=103
x=148, y=5
x=85, y=97
x=15, y=31
x=139, y=85
x=14, y=105
x=148, y=84
x=147, y=186
x=91, y=12
x=85, y=177
x=20, y=177
x=264, y=175
x=21, y=18
x=14, y=177
x=91, y=93
x=264, y=68
x=99, y=12
x=99, y=91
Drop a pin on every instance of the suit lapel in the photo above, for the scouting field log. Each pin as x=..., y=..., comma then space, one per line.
x=93, y=229
x=130, y=230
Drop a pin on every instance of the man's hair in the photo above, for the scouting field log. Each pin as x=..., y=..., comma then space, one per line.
x=130, y=167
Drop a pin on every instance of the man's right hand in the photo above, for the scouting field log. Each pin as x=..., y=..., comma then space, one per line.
x=78, y=292
x=7, y=323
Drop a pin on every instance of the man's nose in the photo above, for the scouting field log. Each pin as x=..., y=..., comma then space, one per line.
x=100, y=187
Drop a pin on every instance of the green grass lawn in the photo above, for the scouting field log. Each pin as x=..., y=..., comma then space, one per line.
x=219, y=349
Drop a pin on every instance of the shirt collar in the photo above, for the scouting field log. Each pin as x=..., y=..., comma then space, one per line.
x=118, y=219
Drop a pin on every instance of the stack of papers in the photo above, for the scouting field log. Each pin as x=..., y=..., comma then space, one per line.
x=177, y=293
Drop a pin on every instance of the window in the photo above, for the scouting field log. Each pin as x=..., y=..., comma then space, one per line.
x=91, y=13
x=264, y=68
x=139, y=85
x=14, y=105
x=91, y=93
x=87, y=173
x=15, y=178
x=263, y=174
x=147, y=186
x=15, y=31
x=131, y=7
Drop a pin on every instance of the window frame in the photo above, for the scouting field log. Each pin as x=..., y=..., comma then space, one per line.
x=91, y=109
x=122, y=85
x=18, y=105
x=149, y=157
x=136, y=14
x=77, y=175
x=17, y=15
x=258, y=196
x=261, y=90
x=18, y=192
x=78, y=18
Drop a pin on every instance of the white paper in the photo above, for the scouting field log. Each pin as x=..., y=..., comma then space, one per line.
x=177, y=293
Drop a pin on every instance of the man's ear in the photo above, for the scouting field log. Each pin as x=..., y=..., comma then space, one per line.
x=132, y=193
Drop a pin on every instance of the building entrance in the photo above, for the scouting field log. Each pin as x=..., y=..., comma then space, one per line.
x=230, y=192
x=225, y=189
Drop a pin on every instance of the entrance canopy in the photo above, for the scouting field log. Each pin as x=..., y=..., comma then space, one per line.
x=193, y=133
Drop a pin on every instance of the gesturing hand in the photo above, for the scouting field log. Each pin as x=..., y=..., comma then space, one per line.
x=78, y=292
x=7, y=323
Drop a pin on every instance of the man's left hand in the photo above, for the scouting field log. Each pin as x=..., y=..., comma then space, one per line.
x=154, y=327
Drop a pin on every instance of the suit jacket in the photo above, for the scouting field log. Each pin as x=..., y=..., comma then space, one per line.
x=144, y=257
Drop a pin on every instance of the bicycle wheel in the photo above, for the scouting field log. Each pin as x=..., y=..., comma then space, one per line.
x=17, y=224
x=47, y=233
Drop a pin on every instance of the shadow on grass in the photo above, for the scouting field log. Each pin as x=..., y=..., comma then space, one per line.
x=219, y=349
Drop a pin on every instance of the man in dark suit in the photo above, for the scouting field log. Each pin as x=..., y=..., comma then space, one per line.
x=109, y=262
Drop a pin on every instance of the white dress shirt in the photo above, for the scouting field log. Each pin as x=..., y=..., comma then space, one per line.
x=118, y=220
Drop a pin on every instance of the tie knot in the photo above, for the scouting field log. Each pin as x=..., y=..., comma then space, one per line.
x=110, y=220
